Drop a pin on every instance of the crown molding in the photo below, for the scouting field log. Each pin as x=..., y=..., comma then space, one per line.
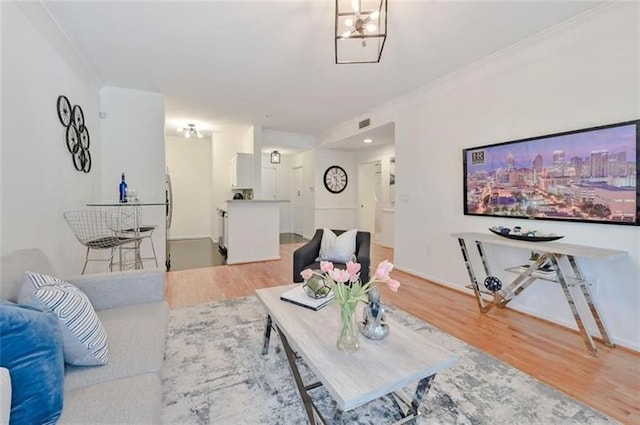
x=42, y=19
x=410, y=98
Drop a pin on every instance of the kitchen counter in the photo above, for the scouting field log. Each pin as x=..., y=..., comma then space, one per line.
x=253, y=230
x=255, y=200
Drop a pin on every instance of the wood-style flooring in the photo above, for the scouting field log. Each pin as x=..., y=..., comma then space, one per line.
x=552, y=354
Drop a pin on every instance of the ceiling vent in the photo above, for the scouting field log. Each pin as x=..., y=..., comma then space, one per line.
x=364, y=123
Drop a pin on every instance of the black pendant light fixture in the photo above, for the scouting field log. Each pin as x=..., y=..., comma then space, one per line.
x=361, y=30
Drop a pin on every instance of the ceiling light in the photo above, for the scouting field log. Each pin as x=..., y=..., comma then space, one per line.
x=190, y=130
x=368, y=141
x=367, y=23
x=275, y=157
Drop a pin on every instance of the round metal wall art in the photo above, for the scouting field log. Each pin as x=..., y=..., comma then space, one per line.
x=76, y=135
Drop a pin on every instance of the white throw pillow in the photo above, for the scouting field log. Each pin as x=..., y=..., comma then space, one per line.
x=5, y=396
x=84, y=339
x=338, y=249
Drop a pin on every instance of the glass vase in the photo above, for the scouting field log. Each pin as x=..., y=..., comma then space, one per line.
x=348, y=340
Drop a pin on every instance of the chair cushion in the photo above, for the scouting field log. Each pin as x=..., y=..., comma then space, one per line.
x=137, y=335
x=35, y=363
x=339, y=249
x=84, y=339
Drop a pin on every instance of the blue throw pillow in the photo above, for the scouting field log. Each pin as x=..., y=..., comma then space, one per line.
x=31, y=348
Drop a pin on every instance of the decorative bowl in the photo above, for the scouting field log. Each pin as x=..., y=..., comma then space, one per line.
x=524, y=235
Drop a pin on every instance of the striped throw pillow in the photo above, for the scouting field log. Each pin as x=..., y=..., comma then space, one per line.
x=84, y=339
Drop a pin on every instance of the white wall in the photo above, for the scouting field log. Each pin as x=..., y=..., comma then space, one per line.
x=133, y=143
x=335, y=210
x=584, y=74
x=189, y=164
x=39, y=181
x=285, y=140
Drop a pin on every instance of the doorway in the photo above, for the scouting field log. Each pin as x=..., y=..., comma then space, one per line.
x=367, y=199
x=269, y=182
x=297, y=201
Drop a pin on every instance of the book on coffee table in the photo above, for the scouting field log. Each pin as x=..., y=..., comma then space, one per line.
x=298, y=296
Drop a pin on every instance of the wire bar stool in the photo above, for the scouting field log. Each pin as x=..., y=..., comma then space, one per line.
x=95, y=230
x=127, y=228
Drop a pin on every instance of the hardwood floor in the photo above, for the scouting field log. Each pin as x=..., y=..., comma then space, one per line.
x=552, y=354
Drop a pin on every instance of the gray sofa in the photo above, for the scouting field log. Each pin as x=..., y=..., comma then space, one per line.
x=133, y=311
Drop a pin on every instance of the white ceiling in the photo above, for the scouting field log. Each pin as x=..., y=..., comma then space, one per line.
x=271, y=63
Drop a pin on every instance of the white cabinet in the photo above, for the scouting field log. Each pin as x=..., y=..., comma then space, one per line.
x=242, y=171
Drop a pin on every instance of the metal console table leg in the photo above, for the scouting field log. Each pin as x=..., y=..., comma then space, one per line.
x=595, y=312
x=527, y=277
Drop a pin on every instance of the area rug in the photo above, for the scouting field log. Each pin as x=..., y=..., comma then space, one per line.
x=214, y=373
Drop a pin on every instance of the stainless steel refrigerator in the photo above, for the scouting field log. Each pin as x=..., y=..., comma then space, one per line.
x=169, y=216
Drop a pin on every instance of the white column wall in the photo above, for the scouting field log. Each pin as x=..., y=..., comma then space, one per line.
x=38, y=179
x=581, y=75
x=224, y=145
x=189, y=164
x=133, y=143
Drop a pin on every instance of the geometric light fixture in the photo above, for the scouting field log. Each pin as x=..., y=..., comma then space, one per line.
x=361, y=30
x=190, y=130
x=275, y=157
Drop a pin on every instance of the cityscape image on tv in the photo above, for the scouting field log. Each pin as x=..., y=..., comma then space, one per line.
x=586, y=176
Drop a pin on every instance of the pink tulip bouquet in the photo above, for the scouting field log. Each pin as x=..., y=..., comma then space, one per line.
x=349, y=290
x=346, y=284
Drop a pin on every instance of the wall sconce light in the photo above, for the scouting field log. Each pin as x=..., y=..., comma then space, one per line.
x=275, y=157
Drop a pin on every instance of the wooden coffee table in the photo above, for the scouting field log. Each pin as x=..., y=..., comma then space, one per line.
x=376, y=369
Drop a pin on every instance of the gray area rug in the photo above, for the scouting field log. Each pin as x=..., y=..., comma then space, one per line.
x=214, y=374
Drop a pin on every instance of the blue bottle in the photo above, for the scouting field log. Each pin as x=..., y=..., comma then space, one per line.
x=123, y=190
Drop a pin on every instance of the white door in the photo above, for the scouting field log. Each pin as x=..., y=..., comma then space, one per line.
x=297, y=200
x=367, y=197
x=269, y=183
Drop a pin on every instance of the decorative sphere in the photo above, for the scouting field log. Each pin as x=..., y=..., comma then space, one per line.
x=492, y=283
x=316, y=287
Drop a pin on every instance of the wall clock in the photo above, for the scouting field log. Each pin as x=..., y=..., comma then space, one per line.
x=335, y=179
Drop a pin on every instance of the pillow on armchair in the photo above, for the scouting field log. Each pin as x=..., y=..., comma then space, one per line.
x=338, y=249
x=308, y=255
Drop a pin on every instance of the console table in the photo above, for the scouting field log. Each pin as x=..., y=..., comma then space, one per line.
x=553, y=252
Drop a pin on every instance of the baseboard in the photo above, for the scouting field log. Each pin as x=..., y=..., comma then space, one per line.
x=191, y=237
x=231, y=261
x=627, y=345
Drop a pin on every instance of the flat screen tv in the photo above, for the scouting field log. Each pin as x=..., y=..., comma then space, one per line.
x=588, y=175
